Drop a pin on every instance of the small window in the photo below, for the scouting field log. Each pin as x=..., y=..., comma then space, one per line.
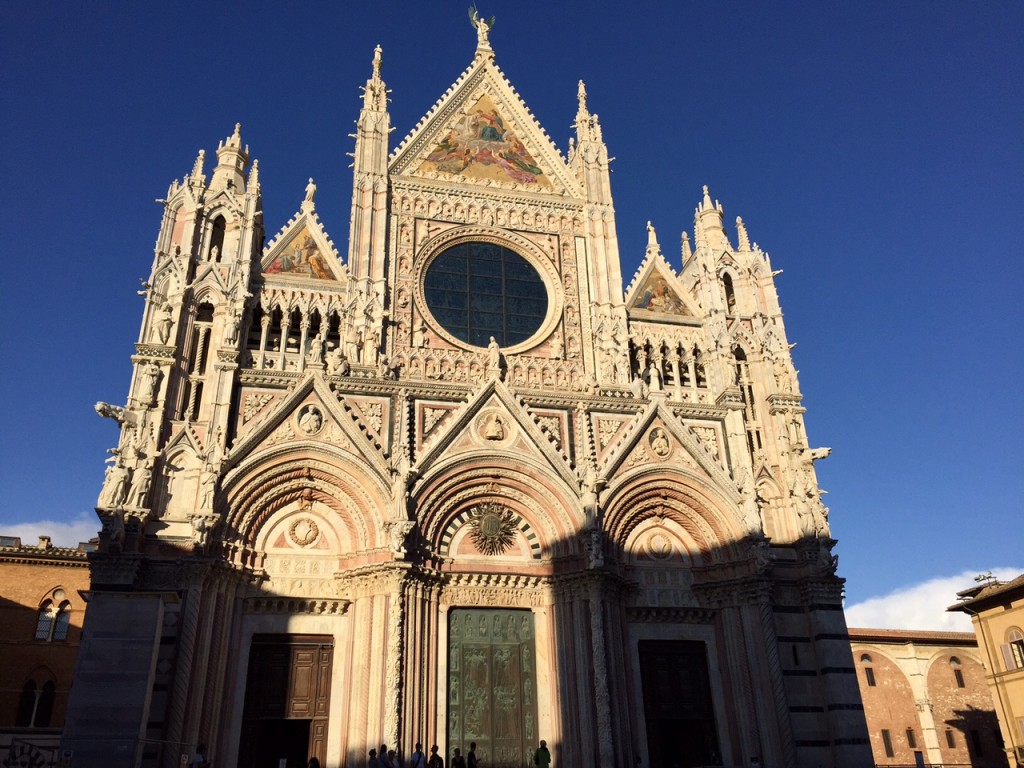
x=1015, y=655
x=958, y=673
x=887, y=742
x=911, y=738
x=869, y=671
x=950, y=741
x=976, y=745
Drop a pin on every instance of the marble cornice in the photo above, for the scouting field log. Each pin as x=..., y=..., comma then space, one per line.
x=652, y=615
x=507, y=195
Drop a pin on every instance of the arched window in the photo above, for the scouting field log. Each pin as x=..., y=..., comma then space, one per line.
x=217, y=239
x=44, y=706
x=26, y=705
x=47, y=613
x=54, y=618
x=730, y=293
x=200, y=348
x=1013, y=649
x=869, y=670
x=958, y=673
x=35, y=705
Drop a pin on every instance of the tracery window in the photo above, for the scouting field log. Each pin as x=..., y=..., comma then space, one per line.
x=35, y=705
x=476, y=290
x=54, y=618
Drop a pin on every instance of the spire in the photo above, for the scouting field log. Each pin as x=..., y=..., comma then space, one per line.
x=375, y=92
x=254, y=178
x=231, y=162
x=684, y=245
x=308, y=203
x=712, y=230
x=483, y=29
x=741, y=234
x=197, y=169
x=653, y=249
x=367, y=226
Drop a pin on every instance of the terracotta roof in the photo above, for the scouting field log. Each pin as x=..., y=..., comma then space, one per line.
x=913, y=635
x=976, y=596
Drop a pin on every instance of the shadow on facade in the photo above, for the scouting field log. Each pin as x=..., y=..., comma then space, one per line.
x=979, y=730
x=622, y=648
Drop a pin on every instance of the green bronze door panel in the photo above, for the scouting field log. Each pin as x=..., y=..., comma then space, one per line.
x=492, y=685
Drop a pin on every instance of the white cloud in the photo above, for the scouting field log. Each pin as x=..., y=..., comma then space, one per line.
x=64, y=533
x=922, y=605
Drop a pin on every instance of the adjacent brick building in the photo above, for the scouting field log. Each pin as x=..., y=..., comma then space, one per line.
x=925, y=698
x=41, y=614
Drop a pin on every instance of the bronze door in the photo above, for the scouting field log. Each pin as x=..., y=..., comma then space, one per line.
x=287, y=700
x=492, y=685
x=677, y=704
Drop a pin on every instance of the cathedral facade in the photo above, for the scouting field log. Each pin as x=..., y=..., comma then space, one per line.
x=461, y=484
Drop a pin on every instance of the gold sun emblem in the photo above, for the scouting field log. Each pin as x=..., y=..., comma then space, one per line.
x=493, y=528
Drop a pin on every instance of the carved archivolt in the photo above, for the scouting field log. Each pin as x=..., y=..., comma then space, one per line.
x=665, y=498
x=541, y=505
x=253, y=499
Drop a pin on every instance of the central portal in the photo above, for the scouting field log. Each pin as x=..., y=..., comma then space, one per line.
x=492, y=685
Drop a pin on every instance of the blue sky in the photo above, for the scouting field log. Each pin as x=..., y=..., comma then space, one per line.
x=875, y=150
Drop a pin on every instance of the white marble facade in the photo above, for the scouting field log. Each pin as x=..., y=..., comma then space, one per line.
x=322, y=447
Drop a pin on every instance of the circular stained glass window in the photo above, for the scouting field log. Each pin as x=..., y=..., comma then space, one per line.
x=476, y=290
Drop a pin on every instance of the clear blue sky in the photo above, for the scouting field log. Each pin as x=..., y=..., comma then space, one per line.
x=875, y=149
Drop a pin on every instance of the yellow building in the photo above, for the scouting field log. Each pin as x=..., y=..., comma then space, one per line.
x=997, y=610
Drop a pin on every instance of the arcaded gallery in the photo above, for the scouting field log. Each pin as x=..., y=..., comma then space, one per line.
x=461, y=483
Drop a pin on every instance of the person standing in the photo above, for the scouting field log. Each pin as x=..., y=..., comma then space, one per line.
x=418, y=759
x=435, y=761
x=471, y=761
x=542, y=758
x=374, y=761
x=458, y=761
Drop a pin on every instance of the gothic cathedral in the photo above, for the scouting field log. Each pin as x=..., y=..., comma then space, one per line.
x=461, y=484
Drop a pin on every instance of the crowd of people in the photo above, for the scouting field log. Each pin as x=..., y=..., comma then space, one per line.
x=388, y=758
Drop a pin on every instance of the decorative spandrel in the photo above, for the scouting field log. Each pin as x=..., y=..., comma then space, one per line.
x=492, y=685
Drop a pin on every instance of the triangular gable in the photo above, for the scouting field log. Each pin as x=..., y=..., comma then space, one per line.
x=481, y=131
x=480, y=146
x=493, y=420
x=656, y=293
x=303, y=250
x=310, y=412
x=659, y=436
